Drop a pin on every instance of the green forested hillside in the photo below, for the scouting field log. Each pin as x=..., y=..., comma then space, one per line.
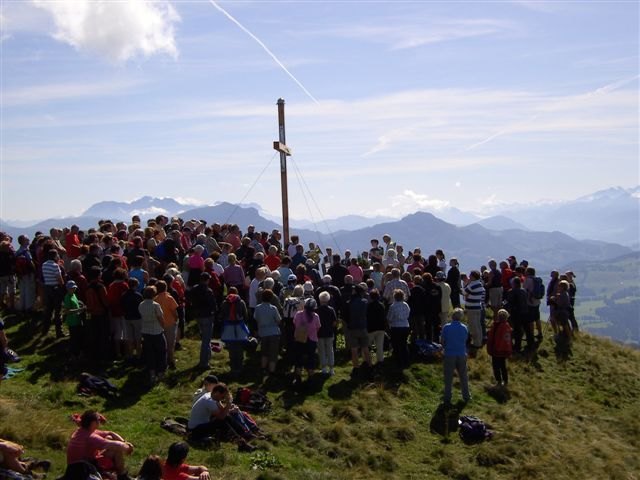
x=609, y=297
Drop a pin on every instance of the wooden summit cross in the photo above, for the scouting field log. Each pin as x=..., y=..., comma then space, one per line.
x=281, y=147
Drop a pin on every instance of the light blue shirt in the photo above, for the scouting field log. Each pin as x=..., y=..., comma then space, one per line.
x=268, y=318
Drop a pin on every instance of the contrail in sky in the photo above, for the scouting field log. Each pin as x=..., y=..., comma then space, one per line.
x=598, y=91
x=266, y=49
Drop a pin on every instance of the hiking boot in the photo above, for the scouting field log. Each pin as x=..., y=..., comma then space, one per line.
x=332, y=372
x=325, y=370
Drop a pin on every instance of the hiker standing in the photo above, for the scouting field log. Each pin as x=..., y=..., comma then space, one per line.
x=154, y=343
x=203, y=303
x=235, y=332
x=499, y=346
x=268, y=319
x=454, y=340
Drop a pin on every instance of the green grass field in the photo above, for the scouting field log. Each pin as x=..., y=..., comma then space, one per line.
x=565, y=417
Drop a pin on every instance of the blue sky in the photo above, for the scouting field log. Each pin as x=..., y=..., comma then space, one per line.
x=419, y=104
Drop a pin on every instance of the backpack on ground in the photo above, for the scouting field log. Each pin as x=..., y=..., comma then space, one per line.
x=176, y=425
x=427, y=350
x=252, y=400
x=538, y=288
x=473, y=430
x=89, y=385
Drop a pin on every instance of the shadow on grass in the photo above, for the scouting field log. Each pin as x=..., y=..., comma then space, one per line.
x=296, y=394
x=499, y=393
x=563, y=348
x=28, y=336
x=444, y=420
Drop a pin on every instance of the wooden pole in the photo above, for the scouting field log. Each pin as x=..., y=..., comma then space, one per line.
x=284, y=151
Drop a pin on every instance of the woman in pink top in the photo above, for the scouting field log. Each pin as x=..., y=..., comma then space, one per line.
x=355, y=271
x=196, y=265
x=306, y=324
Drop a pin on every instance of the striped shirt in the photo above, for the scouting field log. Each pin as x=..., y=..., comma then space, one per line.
x=51, y=273
x=474, y=295
x=395, y=284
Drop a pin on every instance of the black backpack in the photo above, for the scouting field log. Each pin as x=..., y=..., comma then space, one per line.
x=538, y=288
x=473, y=430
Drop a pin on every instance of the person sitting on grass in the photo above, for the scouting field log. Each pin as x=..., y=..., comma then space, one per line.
x=105, y=449
x=175, y=469
x=10, y=454
x=213, y=413
x=151, y=468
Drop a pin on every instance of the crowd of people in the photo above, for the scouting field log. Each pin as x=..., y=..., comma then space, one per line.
x=127, y=291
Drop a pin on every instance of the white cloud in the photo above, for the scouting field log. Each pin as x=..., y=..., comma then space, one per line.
x=117, y=30
x=403, y=33
x=65, y=91
x=541, y=6
x=3, y=28
x=408, y=202
x=490, y=201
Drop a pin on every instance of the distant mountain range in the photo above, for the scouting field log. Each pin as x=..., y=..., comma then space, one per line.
x=606, y=222
x=145, y=207
x=611, y=215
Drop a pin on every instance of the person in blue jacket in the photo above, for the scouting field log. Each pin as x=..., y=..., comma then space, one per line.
x=454, y=340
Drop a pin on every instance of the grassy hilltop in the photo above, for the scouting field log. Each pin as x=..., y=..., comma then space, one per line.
x=564, y=418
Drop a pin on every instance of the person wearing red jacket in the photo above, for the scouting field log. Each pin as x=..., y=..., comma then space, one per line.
x=499, y=346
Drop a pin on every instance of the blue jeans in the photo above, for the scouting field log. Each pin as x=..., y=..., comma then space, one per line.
x=206, y=332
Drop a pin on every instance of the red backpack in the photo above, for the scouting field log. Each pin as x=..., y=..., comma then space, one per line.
x=499, y=340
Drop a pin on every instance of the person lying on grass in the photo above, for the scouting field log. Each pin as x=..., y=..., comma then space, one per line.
x=103, y=448
x=174, y=467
